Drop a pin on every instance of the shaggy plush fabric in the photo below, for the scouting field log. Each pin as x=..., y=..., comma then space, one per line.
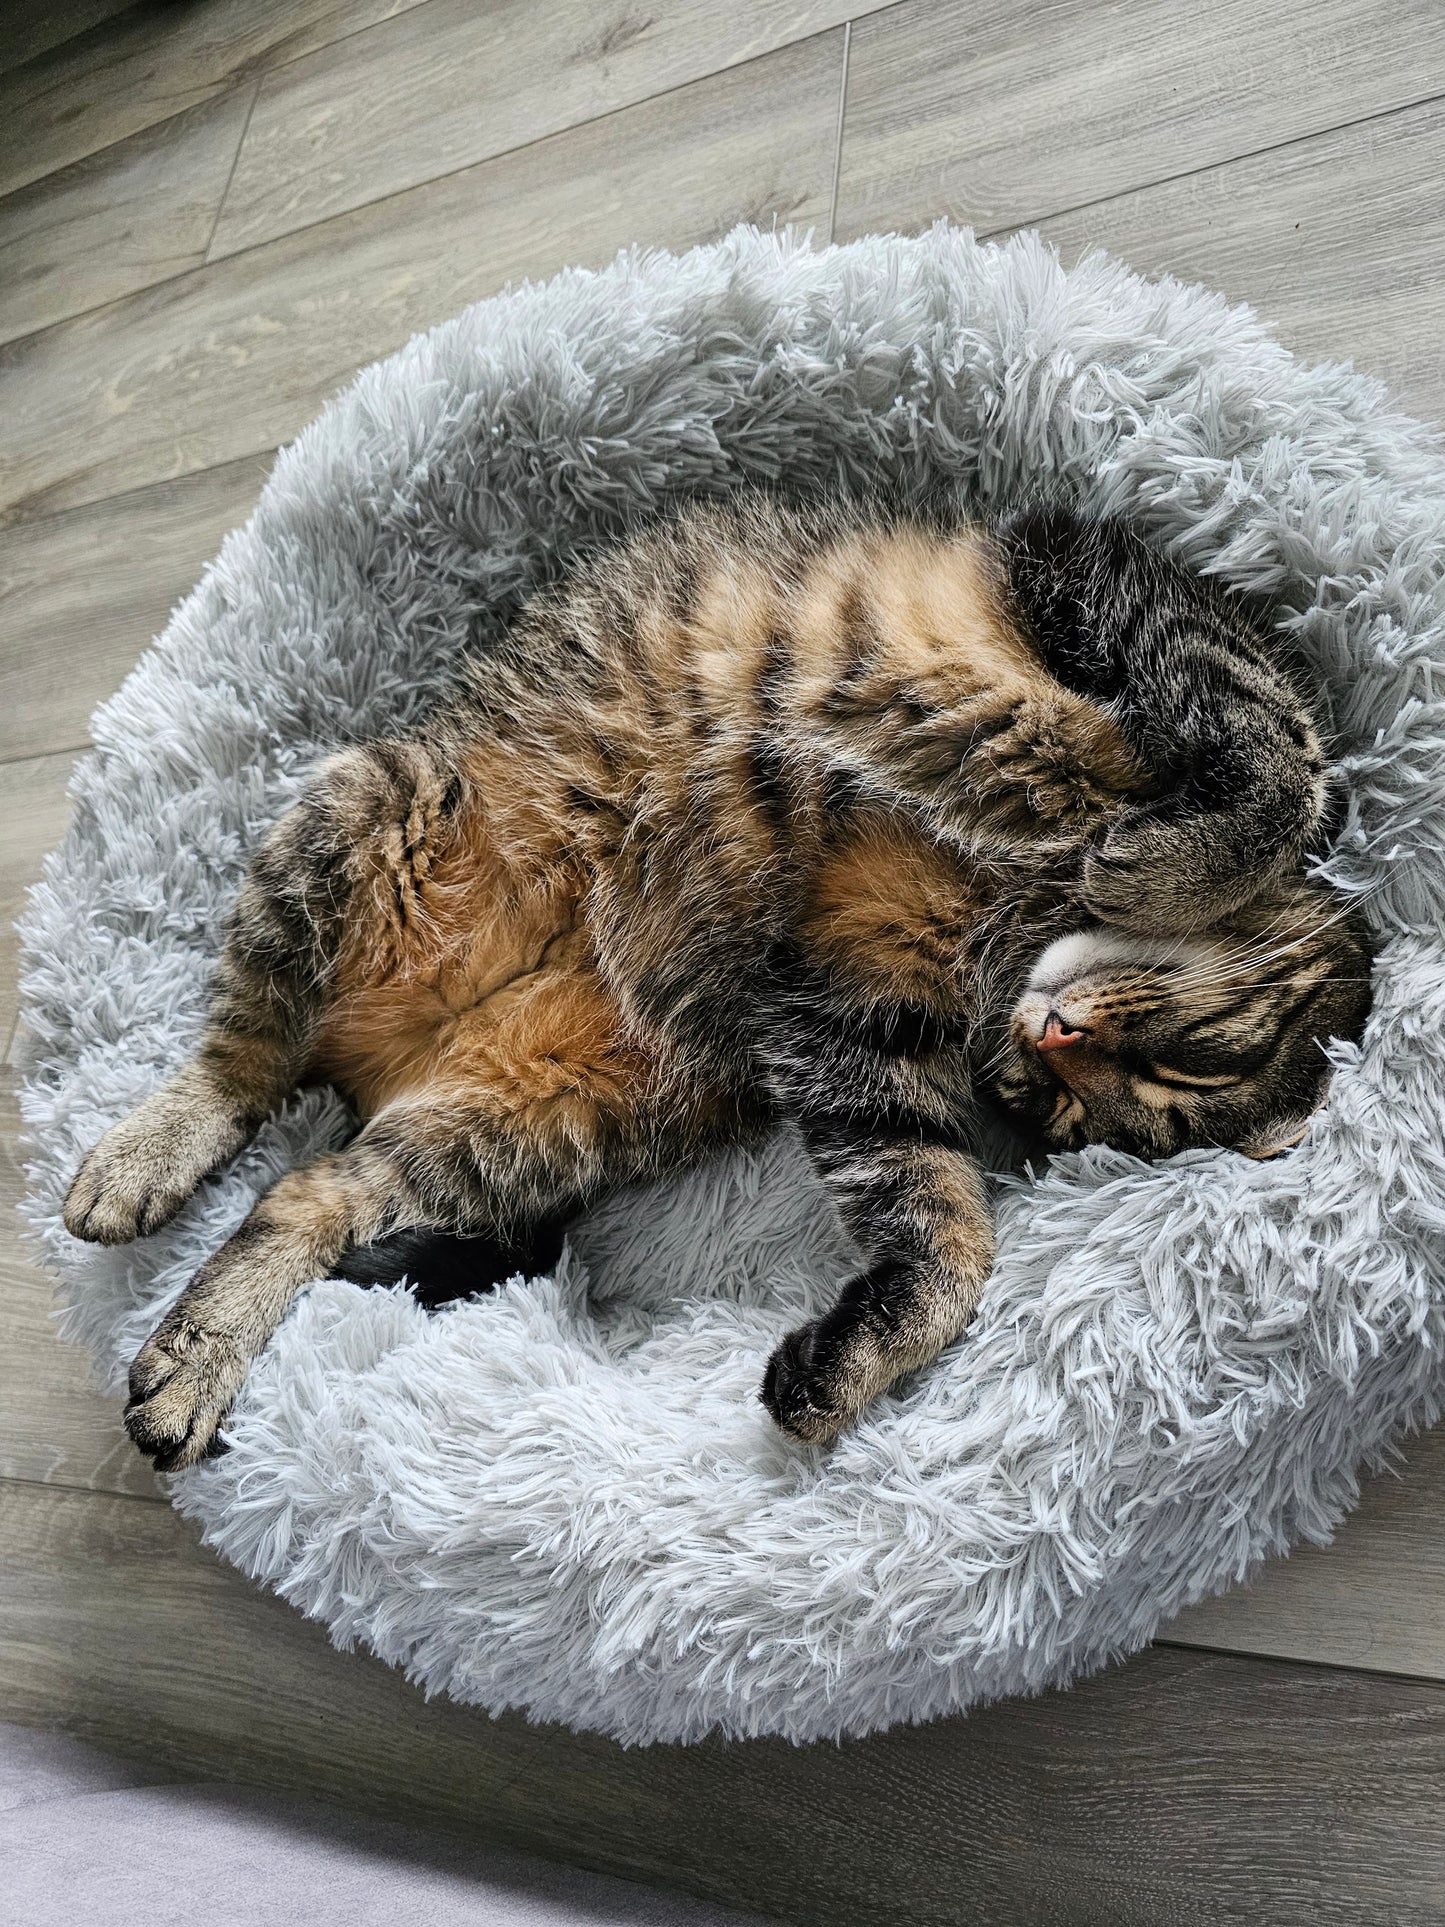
x=566, y=1496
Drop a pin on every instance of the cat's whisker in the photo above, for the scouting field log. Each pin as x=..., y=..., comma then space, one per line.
x=1232, y=967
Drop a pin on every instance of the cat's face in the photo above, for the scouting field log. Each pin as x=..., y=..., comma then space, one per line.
x=1155, y=1044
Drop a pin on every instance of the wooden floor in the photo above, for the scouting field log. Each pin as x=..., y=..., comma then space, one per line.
x=211, y=212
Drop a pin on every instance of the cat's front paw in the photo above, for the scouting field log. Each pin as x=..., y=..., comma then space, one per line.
x=1154, y=874
x=181, y=1386
x=1039, y=779
x=144, y=1168
x=1057, y=762
x=808, y=1387
x=1141, y=877
x=1120, y=892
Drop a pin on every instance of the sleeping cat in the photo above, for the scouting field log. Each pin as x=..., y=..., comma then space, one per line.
x=767, y=814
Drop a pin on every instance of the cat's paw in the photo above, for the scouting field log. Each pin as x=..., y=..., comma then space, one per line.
x=808, y=1387
x=1046, y=769
x=1153, y=874
x=127, y=1187
x=1141, y=877
x=182, y=1383
x=1122, y=890
x=144, y=1168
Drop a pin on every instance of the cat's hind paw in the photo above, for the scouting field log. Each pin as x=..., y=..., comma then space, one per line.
x=181, y=1386
x=127, y=1187
x=142, y=1171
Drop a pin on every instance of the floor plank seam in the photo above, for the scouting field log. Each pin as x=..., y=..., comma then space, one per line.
x=1269, y=1658
x=838, y=133
x=1006, y=228
x=89, y=1491
x=108, y=26
x=10, y=519
x=188, y=477
x=230, y=176
x=60, y=749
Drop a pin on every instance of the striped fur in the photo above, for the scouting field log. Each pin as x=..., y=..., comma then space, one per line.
x=767, y=814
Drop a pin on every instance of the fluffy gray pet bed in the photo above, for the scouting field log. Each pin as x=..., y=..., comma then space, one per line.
x=566, y=1496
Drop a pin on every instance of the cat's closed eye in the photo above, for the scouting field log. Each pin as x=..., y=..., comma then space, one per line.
x=1194, y=1081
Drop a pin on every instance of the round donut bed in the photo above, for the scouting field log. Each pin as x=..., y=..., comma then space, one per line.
x=565, y=1495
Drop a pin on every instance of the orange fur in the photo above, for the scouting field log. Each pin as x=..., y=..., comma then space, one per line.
x=889, y=909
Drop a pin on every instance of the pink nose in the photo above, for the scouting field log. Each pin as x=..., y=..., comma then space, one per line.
x=1057, y=1035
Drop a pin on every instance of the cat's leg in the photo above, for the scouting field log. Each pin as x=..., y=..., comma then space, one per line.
x=428, y=1163
x=885, y=1141
x=1046, y=764
x=1203, y=696
x=346, y=862
x=536, y=1103
x=187, y=1373
x=919, y=1210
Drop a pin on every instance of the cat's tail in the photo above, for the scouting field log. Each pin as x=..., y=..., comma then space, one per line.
x=1207, y=697
x=439, y=1266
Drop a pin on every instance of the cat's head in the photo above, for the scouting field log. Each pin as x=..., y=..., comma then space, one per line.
x=1156, y=1044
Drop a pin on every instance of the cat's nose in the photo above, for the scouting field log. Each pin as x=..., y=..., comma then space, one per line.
x=1057, y=1035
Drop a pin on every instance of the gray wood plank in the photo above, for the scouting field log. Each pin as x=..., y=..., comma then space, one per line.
x=57, y=1426
x=454, y=83
x=133, y=214
x=1181, y=1788
x=1375, y=1598
x=32, y=27
x=235, y=357
x=141, y=66
x=996, y=117
x=1336, y=240
x=82, y=594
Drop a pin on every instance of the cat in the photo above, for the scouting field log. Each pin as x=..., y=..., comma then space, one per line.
x=874, y=826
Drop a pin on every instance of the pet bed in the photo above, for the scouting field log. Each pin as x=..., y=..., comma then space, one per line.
x=565, y=1496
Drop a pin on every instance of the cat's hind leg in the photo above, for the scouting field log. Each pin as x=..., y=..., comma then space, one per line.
x=534, y=1101
x=349, y=859
x=189, y=1370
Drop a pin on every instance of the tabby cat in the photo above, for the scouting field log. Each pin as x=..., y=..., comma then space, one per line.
x=868, y=825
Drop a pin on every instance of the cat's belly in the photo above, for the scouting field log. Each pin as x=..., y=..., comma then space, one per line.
x=486, y=995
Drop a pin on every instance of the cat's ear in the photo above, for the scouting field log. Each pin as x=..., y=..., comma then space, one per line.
x=1274, y=1139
